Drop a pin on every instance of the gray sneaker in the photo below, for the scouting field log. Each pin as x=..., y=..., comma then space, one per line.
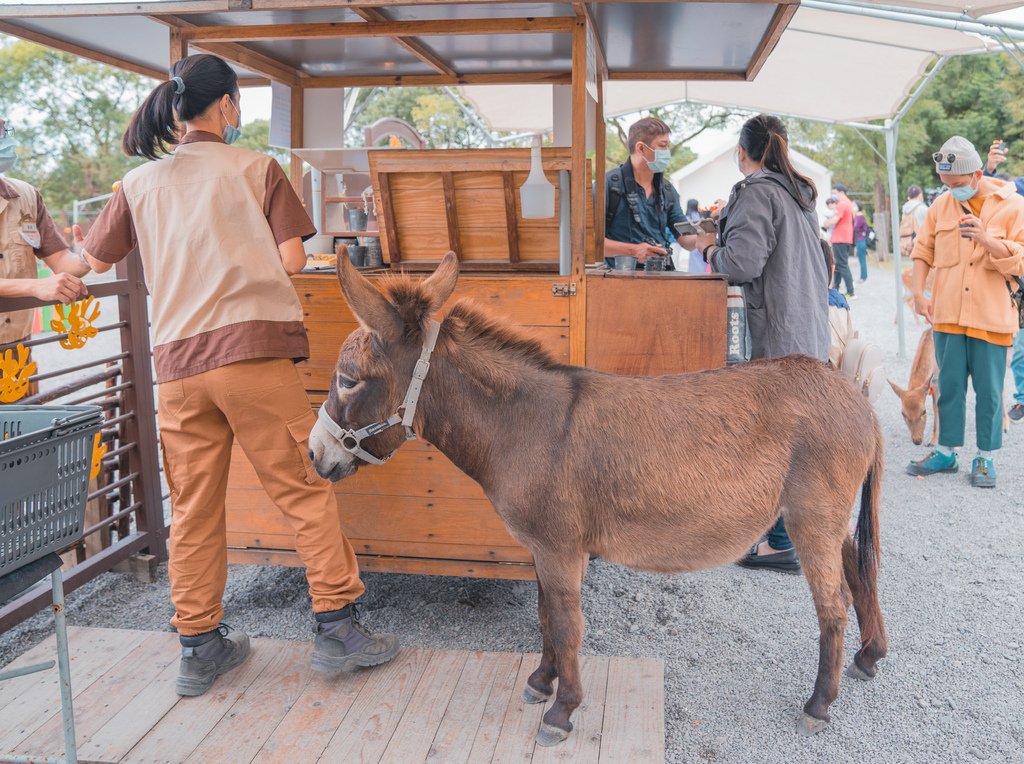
x=205, y=657
x=1016, y=412
x=343, y=644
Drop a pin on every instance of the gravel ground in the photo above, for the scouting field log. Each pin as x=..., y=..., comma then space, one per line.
x=740, y=648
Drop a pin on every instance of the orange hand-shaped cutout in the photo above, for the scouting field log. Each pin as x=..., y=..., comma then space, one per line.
x=14, y=374
x=99, y=450
x=77, y=323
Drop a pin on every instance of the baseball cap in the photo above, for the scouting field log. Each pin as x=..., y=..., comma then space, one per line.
x=957, y=157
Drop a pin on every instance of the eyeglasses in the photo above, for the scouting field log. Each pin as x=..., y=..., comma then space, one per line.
x=938, y=157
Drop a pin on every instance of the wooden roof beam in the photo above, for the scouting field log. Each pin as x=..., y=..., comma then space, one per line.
x=239, y=54
x=439, y=80
x=444, y=27
x=780, y=20
x=411, y=44
x=77, y=50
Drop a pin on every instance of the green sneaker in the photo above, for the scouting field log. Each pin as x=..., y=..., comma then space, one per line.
x=934, y=463
x=983, y=473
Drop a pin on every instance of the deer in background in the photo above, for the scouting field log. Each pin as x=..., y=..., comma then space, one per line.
x=923, y=376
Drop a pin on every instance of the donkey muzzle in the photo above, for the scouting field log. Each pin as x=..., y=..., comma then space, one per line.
x=329, y=457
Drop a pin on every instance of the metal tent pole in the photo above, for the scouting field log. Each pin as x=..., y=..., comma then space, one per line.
x=922, y=12
x=891, y=129
x=957, y=24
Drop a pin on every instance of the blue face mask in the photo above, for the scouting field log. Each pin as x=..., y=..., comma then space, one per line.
x=232, y=133
x=963, y=193
x=661, y=159
x=7, y=154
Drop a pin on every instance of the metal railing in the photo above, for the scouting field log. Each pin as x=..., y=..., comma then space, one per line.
x=127, y=499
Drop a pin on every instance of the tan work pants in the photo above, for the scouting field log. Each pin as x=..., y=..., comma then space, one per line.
x=261, y=403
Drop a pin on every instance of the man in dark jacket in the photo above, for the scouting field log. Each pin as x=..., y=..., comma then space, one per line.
x=642, y=206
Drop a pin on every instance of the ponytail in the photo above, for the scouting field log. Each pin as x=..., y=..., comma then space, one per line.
x=765, y=140
x=196, y=83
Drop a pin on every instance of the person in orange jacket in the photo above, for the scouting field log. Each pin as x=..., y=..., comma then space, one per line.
x=973, y=237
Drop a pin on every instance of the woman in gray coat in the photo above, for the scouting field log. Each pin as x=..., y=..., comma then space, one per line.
x=768, y=242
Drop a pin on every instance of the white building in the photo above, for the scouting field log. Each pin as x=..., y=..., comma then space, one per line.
x=713, y=174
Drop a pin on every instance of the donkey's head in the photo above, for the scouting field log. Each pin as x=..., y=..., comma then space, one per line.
x=376, y=362
x=915, y=410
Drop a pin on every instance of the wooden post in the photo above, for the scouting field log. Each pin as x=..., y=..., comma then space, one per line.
x=600, y=198
x=179, y=47
x=297, y=123
x=578, y=196
x=139, y=399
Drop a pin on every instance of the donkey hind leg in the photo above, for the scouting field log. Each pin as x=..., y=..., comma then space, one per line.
x=873, y=641
x=820, y=555
x=561, y=578
x=540, y=685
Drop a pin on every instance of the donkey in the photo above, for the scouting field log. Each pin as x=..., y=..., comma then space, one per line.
x=559, y=464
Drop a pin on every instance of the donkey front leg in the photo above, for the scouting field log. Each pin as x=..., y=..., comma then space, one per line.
x=560, y=577
x=540, y=685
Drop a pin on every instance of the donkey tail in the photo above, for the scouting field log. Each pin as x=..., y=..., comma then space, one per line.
x=860, y=567
x=868, y=544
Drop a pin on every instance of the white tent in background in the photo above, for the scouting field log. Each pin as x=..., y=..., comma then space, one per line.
x=714, y=172
x=826, y=65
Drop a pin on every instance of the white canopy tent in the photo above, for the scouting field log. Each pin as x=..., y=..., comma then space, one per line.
x=886, y=49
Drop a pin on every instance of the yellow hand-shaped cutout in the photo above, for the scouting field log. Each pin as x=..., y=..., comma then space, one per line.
x=99, y=450
x=14, y=374
x=77, y=323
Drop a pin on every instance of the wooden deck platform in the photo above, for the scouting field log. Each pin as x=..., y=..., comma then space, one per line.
x=426, y=705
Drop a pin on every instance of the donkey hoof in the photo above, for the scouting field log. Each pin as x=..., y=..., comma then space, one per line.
x=531, y=695
x=549, y=735
x=808, y=725
x=856, y=672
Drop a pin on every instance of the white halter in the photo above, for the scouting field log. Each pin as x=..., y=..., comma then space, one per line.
x=351, y=440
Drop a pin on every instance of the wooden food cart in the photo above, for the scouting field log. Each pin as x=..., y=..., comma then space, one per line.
x=418, y=513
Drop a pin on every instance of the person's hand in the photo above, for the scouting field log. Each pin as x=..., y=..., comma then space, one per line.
x=996, y=156
x=923, y=307
x=79, y=240
x=972, y=228
x=643, y=250
x=716, y=208
x=61, y=287
x=705, y=240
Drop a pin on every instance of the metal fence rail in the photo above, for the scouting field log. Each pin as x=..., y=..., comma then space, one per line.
x=127, y=492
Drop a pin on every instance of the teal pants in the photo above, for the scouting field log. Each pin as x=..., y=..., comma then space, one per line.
x=960, y=357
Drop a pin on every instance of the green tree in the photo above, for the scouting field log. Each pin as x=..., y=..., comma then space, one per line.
x=430, y=111
x=69, y=115
x=256, y=137
x=685, y=120
x=980, y=97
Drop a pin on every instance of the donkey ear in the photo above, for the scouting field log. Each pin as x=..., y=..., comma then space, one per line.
x=438, y=287
x=370, y=307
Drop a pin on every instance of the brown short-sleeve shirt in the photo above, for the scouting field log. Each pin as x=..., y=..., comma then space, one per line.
x=50, y=240
x=112, y=236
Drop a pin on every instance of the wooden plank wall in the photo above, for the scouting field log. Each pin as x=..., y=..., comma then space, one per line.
x=430, y=202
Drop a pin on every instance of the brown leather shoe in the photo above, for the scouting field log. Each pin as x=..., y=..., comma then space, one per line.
x=343, y=644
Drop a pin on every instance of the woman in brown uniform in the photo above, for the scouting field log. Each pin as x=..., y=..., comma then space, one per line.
x=219, y=230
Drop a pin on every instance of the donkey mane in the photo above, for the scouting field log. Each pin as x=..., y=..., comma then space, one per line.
x=471, y=325
x=467, y=323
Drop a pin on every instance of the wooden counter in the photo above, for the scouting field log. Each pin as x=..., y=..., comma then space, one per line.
x=419, y=513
